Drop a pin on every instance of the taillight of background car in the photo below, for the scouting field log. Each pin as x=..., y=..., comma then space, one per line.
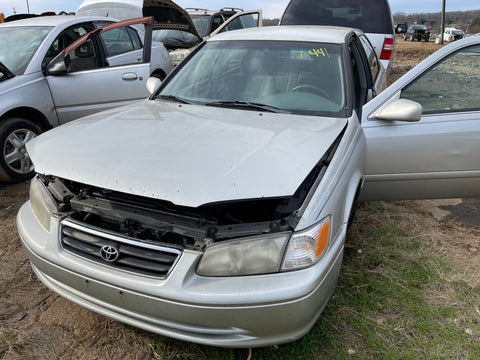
x=387, y=49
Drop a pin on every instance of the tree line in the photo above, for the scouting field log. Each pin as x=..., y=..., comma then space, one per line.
x=468, y=21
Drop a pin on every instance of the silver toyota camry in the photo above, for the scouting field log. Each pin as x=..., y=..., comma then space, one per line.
x=216, y=211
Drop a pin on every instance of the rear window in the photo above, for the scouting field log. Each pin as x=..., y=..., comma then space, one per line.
x=371, y=16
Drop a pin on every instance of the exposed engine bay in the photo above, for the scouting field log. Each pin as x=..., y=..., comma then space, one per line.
x=163, y=222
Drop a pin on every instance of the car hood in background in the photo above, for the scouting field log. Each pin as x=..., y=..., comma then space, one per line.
x=187, y=154
x=170, y=16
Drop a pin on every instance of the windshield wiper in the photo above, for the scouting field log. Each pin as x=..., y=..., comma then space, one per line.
x=247, y=104
x=174, y=98
x=7, y=74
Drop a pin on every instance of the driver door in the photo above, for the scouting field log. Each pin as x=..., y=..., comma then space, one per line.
x=439, y=155
x=91, y=84
x=243, y=20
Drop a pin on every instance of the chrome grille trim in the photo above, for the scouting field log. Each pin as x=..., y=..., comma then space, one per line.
x=135, y=256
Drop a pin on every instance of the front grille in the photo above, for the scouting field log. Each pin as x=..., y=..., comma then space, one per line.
x=118, y=252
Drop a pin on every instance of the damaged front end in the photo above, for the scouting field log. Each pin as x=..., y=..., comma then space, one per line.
x=147, y=236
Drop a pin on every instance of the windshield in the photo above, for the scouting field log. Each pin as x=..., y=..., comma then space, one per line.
x=174, y=39
x=294, y=77
x=18, y=44
x=419, y=27
x=202, y=24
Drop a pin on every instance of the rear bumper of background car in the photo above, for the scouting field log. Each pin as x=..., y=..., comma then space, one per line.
x=231, y=312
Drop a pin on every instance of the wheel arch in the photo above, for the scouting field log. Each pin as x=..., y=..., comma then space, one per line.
x=29, y=114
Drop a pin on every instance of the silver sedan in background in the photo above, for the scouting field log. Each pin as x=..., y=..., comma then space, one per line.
x=108, y=71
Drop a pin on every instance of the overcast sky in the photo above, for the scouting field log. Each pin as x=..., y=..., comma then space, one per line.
x=271, y=8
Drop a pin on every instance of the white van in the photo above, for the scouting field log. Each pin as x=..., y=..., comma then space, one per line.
x=119, y=9
x=452, y=34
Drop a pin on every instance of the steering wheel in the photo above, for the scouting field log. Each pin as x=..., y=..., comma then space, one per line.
x=313, y=89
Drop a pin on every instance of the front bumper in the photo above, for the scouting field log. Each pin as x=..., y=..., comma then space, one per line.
x=244, y=311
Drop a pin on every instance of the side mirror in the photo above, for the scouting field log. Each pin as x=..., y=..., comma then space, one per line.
x=399, y=110
x=153, y=84
x=57, y=66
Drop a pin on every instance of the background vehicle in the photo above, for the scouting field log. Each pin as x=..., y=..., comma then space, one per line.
x=179, y=29
x=208, y=23
x=109, y=71
x=371, y=16
x=417, y=32
x=452, y=34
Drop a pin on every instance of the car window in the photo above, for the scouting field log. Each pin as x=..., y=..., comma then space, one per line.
x=371, y=56
x=360, y=80
x=297, y=77
x=135, y=37
x=119, y=41
x=202, y=24
x=18, y=45
x=452, y=85
x=83, y=58
x=217, y=21
x=372, y=16
x=242, y=22
x=173, y=39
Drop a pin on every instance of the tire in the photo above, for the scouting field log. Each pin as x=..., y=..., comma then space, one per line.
x=15, y=163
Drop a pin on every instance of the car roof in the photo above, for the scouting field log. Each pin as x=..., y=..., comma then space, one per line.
x=53, y=21
x=324, y=34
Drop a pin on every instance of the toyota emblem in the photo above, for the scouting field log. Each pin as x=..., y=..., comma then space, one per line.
x=109, y=253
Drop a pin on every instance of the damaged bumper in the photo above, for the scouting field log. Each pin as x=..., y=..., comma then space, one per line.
x=265, y=309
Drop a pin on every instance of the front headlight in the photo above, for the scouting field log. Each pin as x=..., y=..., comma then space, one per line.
x=42, y=203
x=307, y=247
x=255, y=255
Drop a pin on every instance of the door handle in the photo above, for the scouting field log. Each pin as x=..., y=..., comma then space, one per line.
x=129, y=76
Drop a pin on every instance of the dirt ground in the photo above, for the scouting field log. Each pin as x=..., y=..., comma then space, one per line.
x=37, y=323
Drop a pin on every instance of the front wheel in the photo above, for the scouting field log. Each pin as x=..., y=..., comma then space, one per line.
x=15, y=163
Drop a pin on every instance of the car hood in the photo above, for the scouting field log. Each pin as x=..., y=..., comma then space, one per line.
x=187, y=154
x=170, y=16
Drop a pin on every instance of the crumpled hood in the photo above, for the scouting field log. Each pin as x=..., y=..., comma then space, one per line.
x=187, y=154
